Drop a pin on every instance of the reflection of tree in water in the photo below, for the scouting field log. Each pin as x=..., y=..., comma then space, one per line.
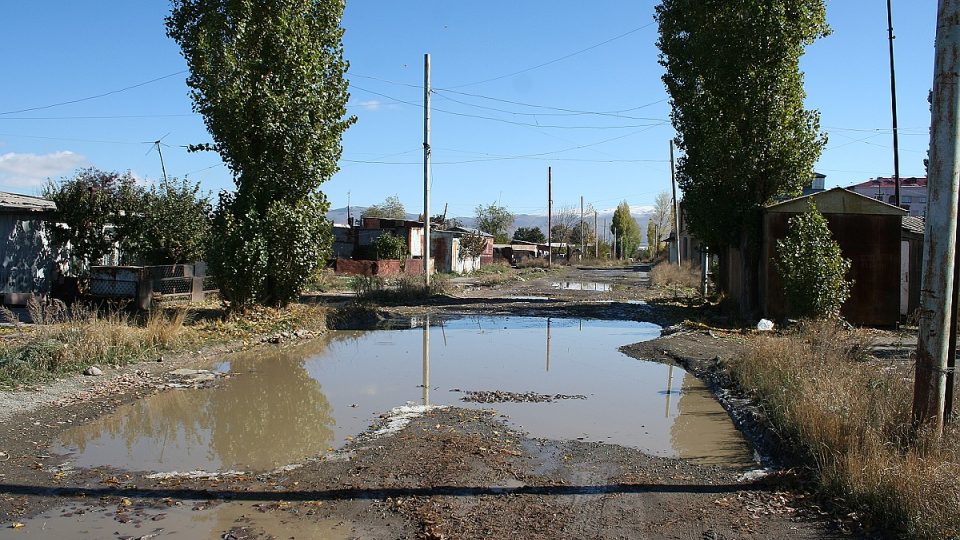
x=271, y=412
x=173, y=418
x=273, y=417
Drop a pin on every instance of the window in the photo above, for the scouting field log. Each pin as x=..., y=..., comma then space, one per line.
x=923, y=200
x=906, y=199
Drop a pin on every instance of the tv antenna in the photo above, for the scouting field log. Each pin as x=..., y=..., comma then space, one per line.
x=157, y=144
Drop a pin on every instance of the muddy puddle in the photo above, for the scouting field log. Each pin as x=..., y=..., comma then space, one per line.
x=582, y=286
x=189, y=520
x=283, y=405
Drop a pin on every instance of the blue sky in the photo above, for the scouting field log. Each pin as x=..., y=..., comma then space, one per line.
x=501, y=116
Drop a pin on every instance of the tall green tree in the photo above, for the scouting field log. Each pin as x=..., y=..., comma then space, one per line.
x=626, y=229
x=494, y=219
x=268, y=78
x=390, y=208
x=733, y=75
x=529, y=234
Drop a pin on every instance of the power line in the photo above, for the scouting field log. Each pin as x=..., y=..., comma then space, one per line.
x=69, y=139
x=105, y=117
x=555, y=60
x=110, y=93
x=503, y=120
x=567, y=112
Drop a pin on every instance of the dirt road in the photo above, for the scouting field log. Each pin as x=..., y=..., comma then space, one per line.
x=419, y=472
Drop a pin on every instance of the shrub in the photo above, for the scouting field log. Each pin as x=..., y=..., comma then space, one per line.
x=389, y=246
x=812, y=267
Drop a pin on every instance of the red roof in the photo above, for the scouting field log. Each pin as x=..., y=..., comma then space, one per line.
x=912, y=181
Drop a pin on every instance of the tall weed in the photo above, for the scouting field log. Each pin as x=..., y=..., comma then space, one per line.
x=849, y=417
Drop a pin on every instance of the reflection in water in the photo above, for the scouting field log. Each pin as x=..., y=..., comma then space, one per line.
x=270, y=414
x=703, y=430
x=284, y=405
x=426, y=361
x=582, y=286
x=87, y=522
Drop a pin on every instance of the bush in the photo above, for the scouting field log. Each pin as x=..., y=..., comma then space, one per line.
x=389, y=246
x=171, y=224
x=403, y=289
x=812, y=267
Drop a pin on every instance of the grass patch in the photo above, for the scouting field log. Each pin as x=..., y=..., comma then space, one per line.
x=398, y=290
x=64, y=341
x=848, y=416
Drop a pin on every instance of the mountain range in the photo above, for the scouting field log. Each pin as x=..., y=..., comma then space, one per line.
x=640, y=214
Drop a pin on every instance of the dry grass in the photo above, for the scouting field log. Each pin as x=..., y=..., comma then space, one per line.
x=849, y=417
x=666, y=274
x=533, y=262
x=68, y=341
x=64, y=341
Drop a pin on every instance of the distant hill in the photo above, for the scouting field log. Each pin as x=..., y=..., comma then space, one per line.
x=641, y=214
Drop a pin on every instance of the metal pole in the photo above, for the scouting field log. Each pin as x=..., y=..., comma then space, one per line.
x=676, y=214
x=939, y=243
x=549, y=216
x=426, y=167
x=893, y=105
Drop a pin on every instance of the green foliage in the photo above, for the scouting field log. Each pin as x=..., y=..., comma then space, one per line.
x=268, y=78
x=575, y=232
x=530, y=234
x=812, y=267
x=389, y=246
x=171, y=224
x=472, y=246
x=95, y=208
x=733, y=75
x=495, y=220
x=390, y=208
x=626, y=229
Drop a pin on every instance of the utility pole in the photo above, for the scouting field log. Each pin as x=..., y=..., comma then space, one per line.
x=549, y=216
x=582, y=240
x=604, y=230
x=940, y=235
x=596, y=236
x=676, y=214
x=426, y=168
x=349, y=218
x=893, y=105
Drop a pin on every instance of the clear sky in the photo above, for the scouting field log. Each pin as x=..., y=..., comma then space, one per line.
x=516, y=85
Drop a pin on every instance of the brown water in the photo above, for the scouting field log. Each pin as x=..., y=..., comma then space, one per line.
x=281, y=406
x=185, y=521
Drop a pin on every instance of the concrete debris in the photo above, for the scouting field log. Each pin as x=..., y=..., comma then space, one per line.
x=93, y=371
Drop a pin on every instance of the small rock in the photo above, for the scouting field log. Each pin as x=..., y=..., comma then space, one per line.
x=93, y=371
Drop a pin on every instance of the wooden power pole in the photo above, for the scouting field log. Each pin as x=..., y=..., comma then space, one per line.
x=549, y=216
x=596, y=236
x=426, y=168
x=893, y=105
x=940, y=235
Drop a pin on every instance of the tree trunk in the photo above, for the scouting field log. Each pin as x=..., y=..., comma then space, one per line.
x=749, y=300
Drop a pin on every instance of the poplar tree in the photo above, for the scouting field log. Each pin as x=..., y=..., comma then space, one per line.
x=736, y=90
x=268, y=78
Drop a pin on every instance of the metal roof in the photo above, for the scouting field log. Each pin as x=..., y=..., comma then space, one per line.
x=837, y=201
x=13, y=202
x=914, y=224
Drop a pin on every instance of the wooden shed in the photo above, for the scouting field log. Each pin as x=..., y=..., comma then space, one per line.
x=869, y=234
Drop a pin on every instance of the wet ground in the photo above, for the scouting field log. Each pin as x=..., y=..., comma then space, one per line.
x=580, y=440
